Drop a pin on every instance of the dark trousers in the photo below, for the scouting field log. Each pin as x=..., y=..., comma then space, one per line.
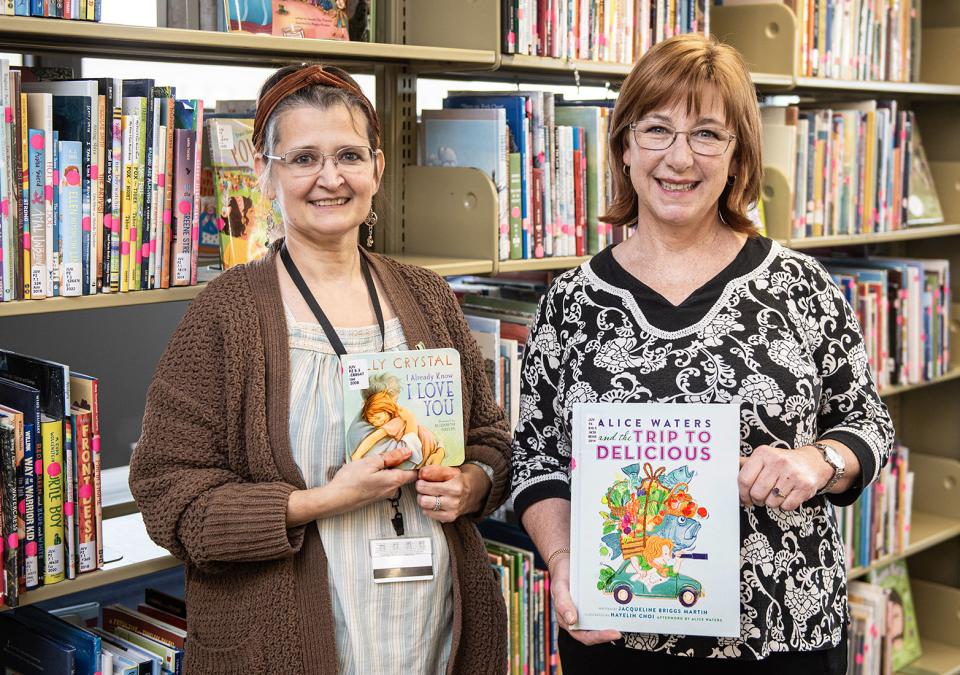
x=578, y=659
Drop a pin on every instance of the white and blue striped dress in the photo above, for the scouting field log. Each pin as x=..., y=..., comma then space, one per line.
x=380, y=628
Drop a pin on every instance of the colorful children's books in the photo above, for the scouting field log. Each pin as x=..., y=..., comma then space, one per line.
x=655, y=521
x=405, y=399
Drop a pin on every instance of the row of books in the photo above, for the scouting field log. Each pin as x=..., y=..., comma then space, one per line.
x=531, y=625
x=854, y=167
x=617, y=31
x=854, y=39
x=903, y=307
x=883, y=635
x=88, y=640
x=546, y=157
x=346, y=20
x=101, y=181
x=50, y=469
x=82, y=10
x=878, y=524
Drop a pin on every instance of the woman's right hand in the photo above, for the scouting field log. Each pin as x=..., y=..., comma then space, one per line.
x=370, y=479
x=566, y=611
x=357, y=483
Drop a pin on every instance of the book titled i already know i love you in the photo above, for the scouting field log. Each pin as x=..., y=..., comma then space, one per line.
x=405, y=399
x=655, y=520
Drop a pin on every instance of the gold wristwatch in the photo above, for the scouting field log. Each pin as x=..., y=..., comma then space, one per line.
x=834, y=459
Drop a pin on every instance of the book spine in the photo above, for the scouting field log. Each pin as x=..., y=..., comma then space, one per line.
x=30, y=560
x=55, y=250
x=53, y=534
x=516, y=207
x=195, y=216
x=537, y=196
x=8, y=509
x=116, y=206
x=38, y=239
x=86, y=516
x=183, y=215
x=25, y=203
x=167, y=216
x=144, y=153
x=69, y=503
x=75, y=247
x=130, y=131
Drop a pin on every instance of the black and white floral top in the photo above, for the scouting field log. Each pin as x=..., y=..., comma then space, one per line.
x=771, y=331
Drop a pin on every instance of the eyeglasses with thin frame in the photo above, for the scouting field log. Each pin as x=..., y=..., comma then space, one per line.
x=706, y=140
x=303, y=162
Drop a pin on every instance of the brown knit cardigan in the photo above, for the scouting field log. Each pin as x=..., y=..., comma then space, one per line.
x=213, y=471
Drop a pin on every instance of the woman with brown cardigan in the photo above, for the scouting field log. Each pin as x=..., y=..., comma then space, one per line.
x=240, y=469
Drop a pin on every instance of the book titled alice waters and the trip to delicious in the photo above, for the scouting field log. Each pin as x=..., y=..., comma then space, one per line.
x=404, y=399
x=655, y=523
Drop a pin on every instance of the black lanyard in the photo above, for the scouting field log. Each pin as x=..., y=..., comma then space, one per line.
x=335, y=342
x=318, y=312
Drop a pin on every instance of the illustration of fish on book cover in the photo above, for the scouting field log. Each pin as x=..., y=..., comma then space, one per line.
x=655, y=518
x=406, y=399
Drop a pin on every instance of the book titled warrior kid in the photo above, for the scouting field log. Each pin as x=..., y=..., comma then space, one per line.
x=655, y=522
x=406, y=399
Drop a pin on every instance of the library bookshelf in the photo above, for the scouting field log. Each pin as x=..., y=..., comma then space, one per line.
x=445, y=217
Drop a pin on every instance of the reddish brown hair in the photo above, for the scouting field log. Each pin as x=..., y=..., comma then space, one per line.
x=680, y=70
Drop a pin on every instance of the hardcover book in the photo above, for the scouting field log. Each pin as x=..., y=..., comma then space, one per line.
x=901, y=617
x=405, y=399
x=243, y=215
x=655, y=522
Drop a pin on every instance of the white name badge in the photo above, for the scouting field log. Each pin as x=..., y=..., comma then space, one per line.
x=401, y=559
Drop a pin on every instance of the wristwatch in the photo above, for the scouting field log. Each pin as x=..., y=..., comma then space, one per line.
x=834, y=459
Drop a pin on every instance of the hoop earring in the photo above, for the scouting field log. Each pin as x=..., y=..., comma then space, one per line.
x=370, y=221
x=720, y=215
x=626, y=170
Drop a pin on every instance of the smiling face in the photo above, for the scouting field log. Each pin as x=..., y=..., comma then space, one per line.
x=678, y=187
x=331, y=204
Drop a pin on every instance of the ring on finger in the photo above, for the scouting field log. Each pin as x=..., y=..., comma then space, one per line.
x=436, y=504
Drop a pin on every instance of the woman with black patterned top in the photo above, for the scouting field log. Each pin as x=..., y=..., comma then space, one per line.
x=696, y=307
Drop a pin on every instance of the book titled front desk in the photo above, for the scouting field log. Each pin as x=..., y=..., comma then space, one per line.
x=655, y=529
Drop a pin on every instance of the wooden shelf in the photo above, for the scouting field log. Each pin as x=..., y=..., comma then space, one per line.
x=876, y=87
x=926, y=530
x=125, y=535
x=513, y=63
x=903, y=388
x=98, y=301
x=938, y=658
x=534, y=264
x=447, y=267
x=32, y=35
x=906, y=234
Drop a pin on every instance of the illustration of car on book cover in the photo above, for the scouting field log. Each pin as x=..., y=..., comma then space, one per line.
x=625, y=585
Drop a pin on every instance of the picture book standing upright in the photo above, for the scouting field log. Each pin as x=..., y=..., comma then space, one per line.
x=655, y=518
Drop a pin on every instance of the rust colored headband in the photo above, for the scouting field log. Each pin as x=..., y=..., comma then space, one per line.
x=294, y=82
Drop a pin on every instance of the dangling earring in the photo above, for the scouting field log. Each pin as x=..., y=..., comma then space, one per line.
x=626, y=170
x=370, y=221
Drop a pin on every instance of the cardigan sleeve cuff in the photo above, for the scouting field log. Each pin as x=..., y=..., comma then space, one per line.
x=241, y=522
x=547, y=489
x=868, y=466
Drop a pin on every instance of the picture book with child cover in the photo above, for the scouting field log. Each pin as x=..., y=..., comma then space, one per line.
x=655, y=518
x=243, y=215
x=405, y=399
x=901, y=618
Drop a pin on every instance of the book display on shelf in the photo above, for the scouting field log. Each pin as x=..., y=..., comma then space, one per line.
x=77, y=10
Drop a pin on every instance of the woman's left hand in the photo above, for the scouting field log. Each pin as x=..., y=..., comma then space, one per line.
x=782, y=478
x=455, y=490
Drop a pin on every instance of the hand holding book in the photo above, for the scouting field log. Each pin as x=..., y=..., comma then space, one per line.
x=566, y=610
x=355, y=484
x=448, y=492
